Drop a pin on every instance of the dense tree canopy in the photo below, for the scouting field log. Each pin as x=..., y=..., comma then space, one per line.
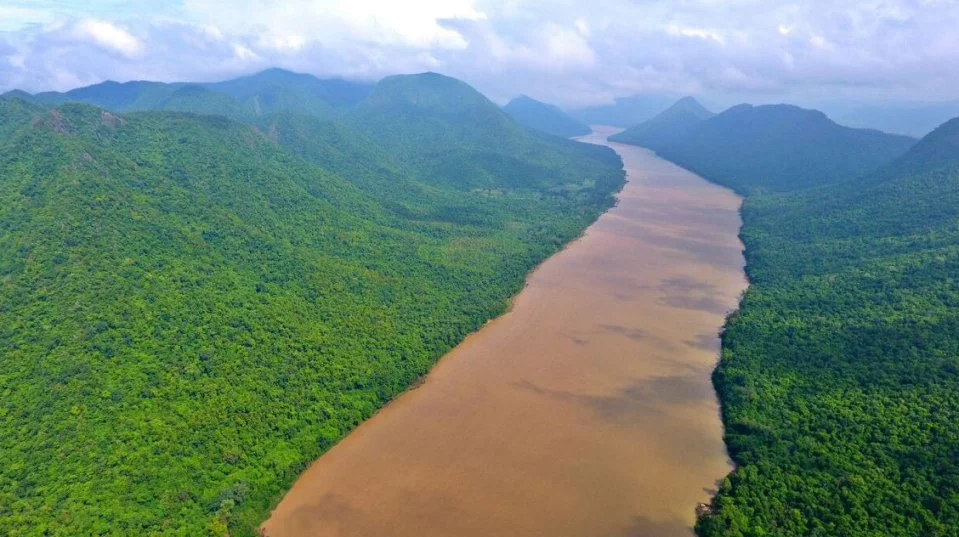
x=839, y=376
x=192, y=309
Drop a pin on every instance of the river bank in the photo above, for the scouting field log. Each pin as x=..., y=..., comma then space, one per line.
x=587, y=409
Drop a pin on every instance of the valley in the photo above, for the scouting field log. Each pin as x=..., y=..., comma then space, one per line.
x=587, y=409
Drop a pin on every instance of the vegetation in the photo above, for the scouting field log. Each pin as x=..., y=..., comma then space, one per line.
x=839, y=376
x=778, y=148
x=456, y=138
x=278, y=90
x=669, y=127
x=544, y=117
x=192, y=309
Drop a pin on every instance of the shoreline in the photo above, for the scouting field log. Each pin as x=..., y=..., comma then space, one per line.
x=588, y=400
x=706, y=509
x=261, y=531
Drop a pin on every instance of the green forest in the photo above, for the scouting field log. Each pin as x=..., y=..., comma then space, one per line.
x=194, y=307
x=839, y=374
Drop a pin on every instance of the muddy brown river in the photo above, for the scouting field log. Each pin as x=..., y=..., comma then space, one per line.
x=585, y=411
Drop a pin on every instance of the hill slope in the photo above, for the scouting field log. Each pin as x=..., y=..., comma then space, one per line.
x=194, y=309
x=666, y=128
x=839, y=375
x=455, y=137
x=779, y=148
x=544, y=117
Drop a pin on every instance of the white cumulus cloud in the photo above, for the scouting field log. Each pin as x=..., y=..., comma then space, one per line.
x=107, y=36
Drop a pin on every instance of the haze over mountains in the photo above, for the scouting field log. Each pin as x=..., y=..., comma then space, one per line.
x=910, y=118
x=544, y=117
x=625, y=112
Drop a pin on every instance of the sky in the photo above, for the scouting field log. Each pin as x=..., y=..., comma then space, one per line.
x=572, y=53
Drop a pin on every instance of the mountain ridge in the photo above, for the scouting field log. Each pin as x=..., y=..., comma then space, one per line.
x=794, y=147
x=667, y=127
x=544, y=117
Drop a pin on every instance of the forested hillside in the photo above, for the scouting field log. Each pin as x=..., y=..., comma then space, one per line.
x=668, y=127
x=450, y=133
x=192, y=309
x=544, y=117
x=839, y=376
x=777, y=148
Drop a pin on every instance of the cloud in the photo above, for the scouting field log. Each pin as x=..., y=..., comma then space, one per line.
x=564, y=51
x=106, y=35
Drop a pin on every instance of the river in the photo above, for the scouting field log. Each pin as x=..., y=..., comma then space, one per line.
x=585, y=411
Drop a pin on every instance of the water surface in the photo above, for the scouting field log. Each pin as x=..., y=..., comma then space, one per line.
x=585, y=411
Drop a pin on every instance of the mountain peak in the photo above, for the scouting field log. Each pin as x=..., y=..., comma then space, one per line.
x=544, y=117
x=688, y=100
x=691, y=106
x=428, y=91
x=523, y=98
x=667, y=126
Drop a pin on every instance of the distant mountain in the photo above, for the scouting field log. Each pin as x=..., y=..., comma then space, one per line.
x=544, y=117
x=625, y=112
x=914, y=119
x=843, y=355
x=335, y=92
x=779, y=148
x=278, y=90
x=273, y=90
x=667, y=127
x=114, y=96
x=452, y=135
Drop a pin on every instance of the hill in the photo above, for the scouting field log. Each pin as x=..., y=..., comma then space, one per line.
x=114, y=96
x=625, y=111
x=778, y=148
x=544, y=117
x=14, y=113
x=839, y=375
x=455, y=137
x=668, y=127
x=193, y=308
x=276, y=90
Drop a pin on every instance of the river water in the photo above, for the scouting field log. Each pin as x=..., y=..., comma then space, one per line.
x=585, y=411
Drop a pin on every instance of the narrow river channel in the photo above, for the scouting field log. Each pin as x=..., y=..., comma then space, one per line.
x=586, y=411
